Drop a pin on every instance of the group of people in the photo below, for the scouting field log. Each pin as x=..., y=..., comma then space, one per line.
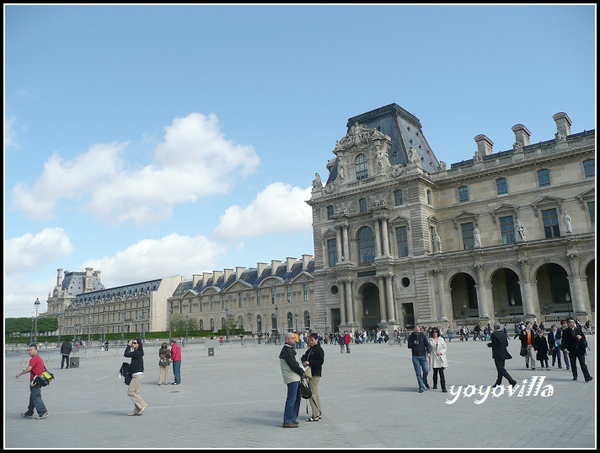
x=427, y=354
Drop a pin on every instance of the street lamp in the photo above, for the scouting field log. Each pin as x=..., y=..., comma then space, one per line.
x=123, y=326
x=276, y=320
x=143, y=333
x=226, y=324
x=512, y=302
x=568, y=299
x=59, y=320
x=170, y=313
x=465, y=310
x=89, y=329
x=186, y=328
x=32, y=324
x=296, y=318
x=79, y=326
x=37, y=304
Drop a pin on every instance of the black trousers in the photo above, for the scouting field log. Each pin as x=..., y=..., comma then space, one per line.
x=500, y=367
x=442, y=377
x=581, y=356
x=65, y=358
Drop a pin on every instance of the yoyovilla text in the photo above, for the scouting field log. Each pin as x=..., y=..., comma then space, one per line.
x=481, y=393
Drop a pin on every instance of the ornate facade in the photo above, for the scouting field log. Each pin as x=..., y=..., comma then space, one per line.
x=401, y=239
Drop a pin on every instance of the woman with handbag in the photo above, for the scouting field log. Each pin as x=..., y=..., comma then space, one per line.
x=135, y=351
x=164, y=360
x=438, y=360
x=313, y=359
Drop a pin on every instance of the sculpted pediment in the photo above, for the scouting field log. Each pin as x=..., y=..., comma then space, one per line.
x=465, y=216
x=547, y=202
x=303, y=277
x=270, y=282
x=239, y=285
x=211, y=290
x=504, y=210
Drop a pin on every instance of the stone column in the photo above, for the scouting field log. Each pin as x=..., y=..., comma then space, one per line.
x=342, y=288
x=349, y=301
x=386, y=239
x=389, y=290
x=528, y=295
x=346, y=243
x=382, y=304
x=377, y=238
x=575, y=285
x=338, y=239
x=442, y=309
x=482, y=293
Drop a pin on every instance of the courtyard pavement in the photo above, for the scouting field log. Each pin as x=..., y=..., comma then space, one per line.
x=235, y=399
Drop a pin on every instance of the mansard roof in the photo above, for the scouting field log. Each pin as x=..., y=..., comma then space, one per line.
x=131, y=290
x=74, y=283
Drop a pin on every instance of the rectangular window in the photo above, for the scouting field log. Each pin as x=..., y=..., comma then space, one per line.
x=289, y=293
x=257, y=297
x=222, y=302
x=550, y=218
x=240, y=300
x=329, y=212
x=332, y=252
x=467, y=234
x=398, y=198
x=272, y=296
x=544, y=177
x=402, y=238
x=463, y=194
x=589, y=166
x=501, y=186
x=212, y=303
x=305, y=293
x=592, y=209
x=507, y=228
x=363, y=204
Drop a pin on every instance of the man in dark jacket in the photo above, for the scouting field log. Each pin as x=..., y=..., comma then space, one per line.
x=421, y=351
x=500, y=354
x=291, y=372
x=574, y=344
x=314, y=357
x=65, y=350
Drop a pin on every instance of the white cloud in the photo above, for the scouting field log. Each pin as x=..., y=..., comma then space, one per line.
x=194, y=160
x=10, y=135
x=279, y=209
x=28, y=251
x=19, y=295
x=150, y=259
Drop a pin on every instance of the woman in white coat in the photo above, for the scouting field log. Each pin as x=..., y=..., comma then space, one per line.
x=438, y=360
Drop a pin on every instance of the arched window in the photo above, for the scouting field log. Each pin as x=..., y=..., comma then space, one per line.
x=290, y=321
x=362, y=170
x=366, y=245
x=258, y=323
x=201, y=324
x=274, y=321
x=222, y=323
x=240, y=322
x=306, y=320
x=212, y=324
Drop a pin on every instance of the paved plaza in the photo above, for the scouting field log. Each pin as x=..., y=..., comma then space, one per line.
x=235, y=399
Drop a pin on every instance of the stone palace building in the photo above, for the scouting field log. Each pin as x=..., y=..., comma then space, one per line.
x=399, y=239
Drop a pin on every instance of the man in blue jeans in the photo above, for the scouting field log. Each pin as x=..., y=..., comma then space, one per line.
x=421, y=351
x=291, y=371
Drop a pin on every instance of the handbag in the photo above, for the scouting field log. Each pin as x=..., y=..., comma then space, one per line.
x=305, y=388
x=43, y=379
x=308, y=371
x=523, y=351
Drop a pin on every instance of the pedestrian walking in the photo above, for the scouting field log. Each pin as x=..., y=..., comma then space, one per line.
x=291, y=371
x=135, y=351
x=314, y=358
x=176, y=361
x=164, y=360
x=347, y=341
x=526, y=337
x=540, y=344
x=552, y=344
x=421, y=351
x=35, y=368
x=438, y=361
x=500, y=354
x=575, y=344
x=65, y=351
x=559, y=345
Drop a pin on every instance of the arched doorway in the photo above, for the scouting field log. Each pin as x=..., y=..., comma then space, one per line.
x=505, y=291
x=464, y=297
x=370, y=302
x=591, y=282
x=553, y=289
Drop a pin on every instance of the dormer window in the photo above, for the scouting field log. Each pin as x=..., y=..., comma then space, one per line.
x=362, y=170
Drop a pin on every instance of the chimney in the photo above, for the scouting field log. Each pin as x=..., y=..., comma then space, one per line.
x=239, y=271
x=228, y=273
x=289, y=262
x=484, y=145
x=274, y=266
x=522, y=134
x=305, y=260
x=59, y=277
x=89, y=280
x=261, y=268
x=195, y=279
x=563, y=123
x=206, y=276
x=216, y=275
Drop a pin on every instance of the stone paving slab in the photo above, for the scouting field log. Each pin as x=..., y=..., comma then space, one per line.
x=235, y=399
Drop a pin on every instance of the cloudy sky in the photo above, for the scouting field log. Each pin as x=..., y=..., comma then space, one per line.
x=151, y=141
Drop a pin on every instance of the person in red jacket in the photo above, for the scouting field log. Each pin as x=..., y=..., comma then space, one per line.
x=347, y=341
x=35, y=368
x=176, y=361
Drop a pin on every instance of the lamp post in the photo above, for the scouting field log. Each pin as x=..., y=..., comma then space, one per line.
x=32, y=324
x=143, y=333
x=89, y=329
x=276, y=320
x=226, y=323
x=568, y=299
x=296, y=318
x=123, y=326
x=59, y=320
x=170, y=313
x=37, y=304
x=512, y=302
x=186, y=328
x=79, y=326
x=465, y=310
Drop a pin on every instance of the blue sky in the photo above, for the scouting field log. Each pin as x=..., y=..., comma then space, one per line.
x=150, y=141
